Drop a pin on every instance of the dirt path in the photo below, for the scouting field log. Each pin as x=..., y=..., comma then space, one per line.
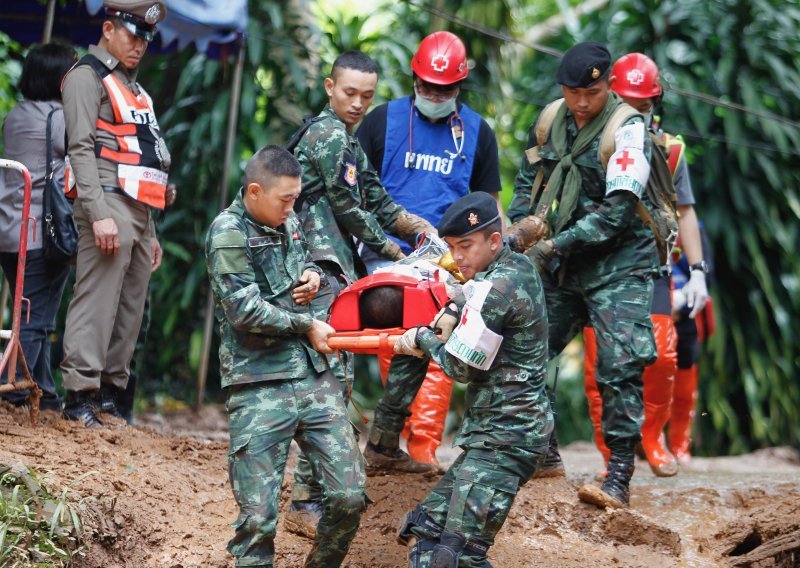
x=157, y=495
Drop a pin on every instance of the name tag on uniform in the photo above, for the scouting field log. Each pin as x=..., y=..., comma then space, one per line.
x=256, y=242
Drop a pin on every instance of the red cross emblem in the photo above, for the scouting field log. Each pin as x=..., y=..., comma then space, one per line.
x=625, y=161
x=635, y=77
x=464, y=317
x=440, y=62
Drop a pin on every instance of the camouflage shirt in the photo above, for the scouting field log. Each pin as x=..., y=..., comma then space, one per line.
x=343, y=197
x=253, y=269
x=605, y=237
x=506, y=404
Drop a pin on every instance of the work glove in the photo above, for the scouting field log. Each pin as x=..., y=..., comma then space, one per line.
x=409, y=226
x=392, y=251
x=445, y=321
x=696, y=292
x=542, y=254
x=407, y=344
x=525, y=233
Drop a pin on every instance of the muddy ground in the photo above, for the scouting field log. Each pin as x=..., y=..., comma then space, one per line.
x=157, y=495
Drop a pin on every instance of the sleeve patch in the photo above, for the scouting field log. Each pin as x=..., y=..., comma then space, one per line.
x=628, y=170
x=227, y=239
x=229, y=254
x=350, y=174
x=630, y=137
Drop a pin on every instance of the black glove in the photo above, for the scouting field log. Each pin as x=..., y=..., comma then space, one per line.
x=544, y=256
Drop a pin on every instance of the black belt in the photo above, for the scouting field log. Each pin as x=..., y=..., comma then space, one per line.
x=117, y=190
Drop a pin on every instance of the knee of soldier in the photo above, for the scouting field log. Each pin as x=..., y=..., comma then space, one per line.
x=346, y=502
x=626, y=355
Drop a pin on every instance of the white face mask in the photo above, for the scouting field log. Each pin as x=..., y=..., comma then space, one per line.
x=434, y=110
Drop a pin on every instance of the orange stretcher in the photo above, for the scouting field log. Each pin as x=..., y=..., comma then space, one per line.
x=13, y=354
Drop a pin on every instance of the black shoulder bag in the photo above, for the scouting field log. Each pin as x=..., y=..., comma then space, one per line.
x=60, y=233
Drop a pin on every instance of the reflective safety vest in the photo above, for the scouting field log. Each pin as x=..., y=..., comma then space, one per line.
x=142, y=157
x=676, y=149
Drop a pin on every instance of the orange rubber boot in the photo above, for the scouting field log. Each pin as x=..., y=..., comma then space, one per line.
x=684, y=398
x=658, y=379
x=425, y=427
x=592, y=393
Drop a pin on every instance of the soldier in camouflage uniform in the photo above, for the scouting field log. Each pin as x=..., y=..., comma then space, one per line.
x=598, y=264
x=342, y=198
x=499, y=348
x=279, y=387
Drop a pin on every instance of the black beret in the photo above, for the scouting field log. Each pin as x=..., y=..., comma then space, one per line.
x=471, y=213
x=583, y=65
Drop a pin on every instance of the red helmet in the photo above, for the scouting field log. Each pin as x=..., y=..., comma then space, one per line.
x=635, y=75
x=441, y=59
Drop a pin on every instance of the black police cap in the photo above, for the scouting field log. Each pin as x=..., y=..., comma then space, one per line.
x=471, y=213
x=584, y=64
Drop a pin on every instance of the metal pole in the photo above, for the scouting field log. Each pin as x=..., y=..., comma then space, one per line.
x=233, y=117
x=47, y=34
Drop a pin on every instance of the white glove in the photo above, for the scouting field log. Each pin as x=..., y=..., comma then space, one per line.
x=407, y=344
x=696, y=292
x=678, y=300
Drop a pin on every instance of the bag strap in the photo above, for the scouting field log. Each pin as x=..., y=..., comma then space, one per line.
x=298, y=135
x=542, y=131
x=608, y=144
x=48, y=176
x=49, y=143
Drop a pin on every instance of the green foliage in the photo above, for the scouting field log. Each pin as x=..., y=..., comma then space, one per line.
x=37, y=529
x=10, y=72
x=748, y=191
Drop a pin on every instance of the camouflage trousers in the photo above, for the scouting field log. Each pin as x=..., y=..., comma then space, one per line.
x=471, y=500
x=405, y=377
x=264, y=418
x=306, y=486
x=619, y=311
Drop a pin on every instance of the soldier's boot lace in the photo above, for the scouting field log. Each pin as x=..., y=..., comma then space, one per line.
x=80, y=406
x=303, y=517
x=394, y=460
x=614, y=493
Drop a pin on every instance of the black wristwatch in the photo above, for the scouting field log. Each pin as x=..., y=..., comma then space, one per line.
x=702, y=265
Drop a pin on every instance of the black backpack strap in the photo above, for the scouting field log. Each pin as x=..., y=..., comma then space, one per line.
x=298, y=135
x=305, y=198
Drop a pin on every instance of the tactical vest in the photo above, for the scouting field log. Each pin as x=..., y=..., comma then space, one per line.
x=142, y=156
x=422, y=176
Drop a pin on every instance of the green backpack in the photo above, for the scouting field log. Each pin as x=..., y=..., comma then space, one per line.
x=658, y=211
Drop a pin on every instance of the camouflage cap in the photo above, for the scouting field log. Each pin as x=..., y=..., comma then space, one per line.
x=138, y=16
x=583, y=65
x=471, y=213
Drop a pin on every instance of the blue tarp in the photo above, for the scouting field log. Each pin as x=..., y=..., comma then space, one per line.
x=208, y=24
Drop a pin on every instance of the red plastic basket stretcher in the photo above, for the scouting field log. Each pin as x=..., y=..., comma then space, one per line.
x=421, y=302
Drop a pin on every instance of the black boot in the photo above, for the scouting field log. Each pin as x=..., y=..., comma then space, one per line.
x=303, y=517
x=80, y=406
x=614, y=492
x=108, y=401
